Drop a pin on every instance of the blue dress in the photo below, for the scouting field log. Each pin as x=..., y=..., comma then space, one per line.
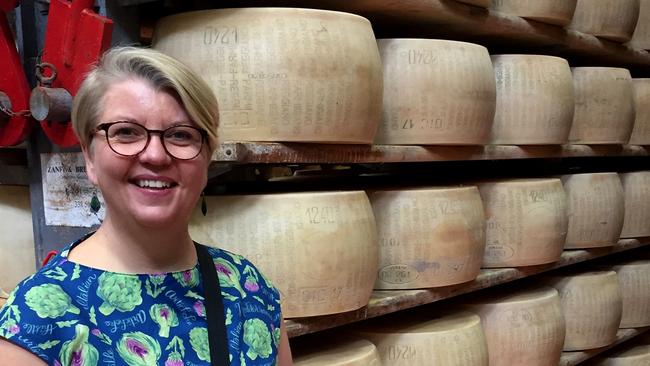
x=70, y=314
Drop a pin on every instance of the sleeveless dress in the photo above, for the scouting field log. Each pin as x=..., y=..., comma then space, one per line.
x=70, y=314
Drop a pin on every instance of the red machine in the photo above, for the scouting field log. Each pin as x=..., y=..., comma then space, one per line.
x=15, y=123
x=75, y=38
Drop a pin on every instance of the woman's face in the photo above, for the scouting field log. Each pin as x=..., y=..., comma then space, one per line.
x=131, y=184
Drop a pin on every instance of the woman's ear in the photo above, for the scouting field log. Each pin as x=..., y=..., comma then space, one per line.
x=90, y=166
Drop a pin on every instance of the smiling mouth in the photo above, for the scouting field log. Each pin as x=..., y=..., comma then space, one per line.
x=153, y=184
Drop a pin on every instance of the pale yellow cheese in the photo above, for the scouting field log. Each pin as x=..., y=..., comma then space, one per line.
x=610, y=19
x=436, y=92
x=283, y=74
x=592, y=306
x=558, y=12
x=637, y=204
x=17, y=258
x=319, y=249
x=479, y=3
x=534, y=100
x=641, y=37
x=637, y=354
x=347, y=351
x=454, y=339
x=604, y=106
x=641, y=131
x=428, y=237
x=596, y=209
x=526, y=221
x=523, y=328
x=634, y=279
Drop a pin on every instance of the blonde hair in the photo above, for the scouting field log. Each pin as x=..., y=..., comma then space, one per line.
x=163, y=72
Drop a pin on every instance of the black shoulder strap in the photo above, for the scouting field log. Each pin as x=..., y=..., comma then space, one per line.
x=217, y=335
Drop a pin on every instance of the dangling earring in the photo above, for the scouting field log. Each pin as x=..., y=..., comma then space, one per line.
x=204, y=205
x=95, y=205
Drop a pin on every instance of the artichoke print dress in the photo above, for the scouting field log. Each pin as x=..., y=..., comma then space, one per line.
x=69, y=314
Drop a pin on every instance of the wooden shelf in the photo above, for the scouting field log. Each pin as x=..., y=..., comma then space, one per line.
x=623, y=335
x=385, y=302
x=13, y=167
x=295, y=153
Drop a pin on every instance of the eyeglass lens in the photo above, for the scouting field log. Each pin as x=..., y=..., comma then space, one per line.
x=128, y=138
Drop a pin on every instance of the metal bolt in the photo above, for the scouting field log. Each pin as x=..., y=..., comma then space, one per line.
x=5, y=107
x=50, y=104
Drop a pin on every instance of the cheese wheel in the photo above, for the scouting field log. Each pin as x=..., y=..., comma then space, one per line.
x=641, y=131
x=524, y=328
x=479, y=3
x=454, y=339
x=610, y=19
x=436, y=92
x=17, y=258
x=319, y=249
x=526, y=222
x=592, y=306
x=340, y=352
x=428, y=237
x=558, y=12
x=596, y=209
x=283, y=74
x=635, y=290
x=637, y=204
x=635, y=355
x=641, y=36
x=534, y=100
x=604, y=106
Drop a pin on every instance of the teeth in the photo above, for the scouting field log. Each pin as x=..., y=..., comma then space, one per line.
x=153, y=184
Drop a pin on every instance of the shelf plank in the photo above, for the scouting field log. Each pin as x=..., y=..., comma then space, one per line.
x=13, y=167
x=295, y=153
x=623, y=335
x=385, y=302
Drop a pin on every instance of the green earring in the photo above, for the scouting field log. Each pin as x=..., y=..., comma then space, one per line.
x=95, y=205
x=204, y=205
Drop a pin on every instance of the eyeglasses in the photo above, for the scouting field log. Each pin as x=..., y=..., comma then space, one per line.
x=129, y=138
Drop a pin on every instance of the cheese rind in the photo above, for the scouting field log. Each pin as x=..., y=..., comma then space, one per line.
x=641, y=36
x=526, y=222
x=610, y=19
x=557, y=12
x=436, y=92
x=17, y=260
x=479, y=3
x=319, y=249
x=454, y=339
x=641, y=131
x=635, y=289
x=428, y=237
x=341, y=352
x=635, y=355
x=534, y=100
x=604, y=106
x=596, y=209
x=592, y=306
x=283, y=74
x=637, y=204
x=523, y=328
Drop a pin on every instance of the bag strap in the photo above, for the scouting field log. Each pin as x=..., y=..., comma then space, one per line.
x=217, y=335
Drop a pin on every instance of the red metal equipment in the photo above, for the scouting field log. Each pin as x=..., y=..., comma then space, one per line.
x=15, y=123
x=75, y=38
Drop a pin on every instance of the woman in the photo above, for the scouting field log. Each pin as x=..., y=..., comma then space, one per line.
x=132, y=293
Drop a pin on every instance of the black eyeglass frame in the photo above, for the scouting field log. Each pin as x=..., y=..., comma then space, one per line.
x=161, y=133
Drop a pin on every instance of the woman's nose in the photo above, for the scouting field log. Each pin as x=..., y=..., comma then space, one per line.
x=155, y=152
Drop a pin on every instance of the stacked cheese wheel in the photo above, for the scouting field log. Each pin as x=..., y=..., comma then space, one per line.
x=637, y=204
x=319, y=249
x=596, y=209
x=635, y=290
x=592, y=306
x=479, y=3
x=18, y=237
x=428, y=237
x=641, y=131
x=455, y=339
x=524, y=328
x=637, y=354
x=604, y=106
x=558, y=12
x=526, y=222
x=283, y=74
x=610, y=19
x=345, y=351
x=641, y=37
x=436, y=92
x=534, y=100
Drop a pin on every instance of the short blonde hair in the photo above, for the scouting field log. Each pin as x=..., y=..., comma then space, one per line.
x=162, y=71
